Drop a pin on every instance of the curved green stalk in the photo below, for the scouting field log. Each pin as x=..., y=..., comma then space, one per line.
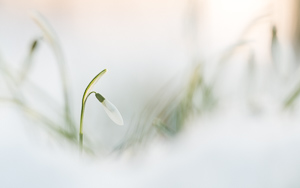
x=86, y=94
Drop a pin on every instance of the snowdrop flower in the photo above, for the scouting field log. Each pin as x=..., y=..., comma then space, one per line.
x=110, y=110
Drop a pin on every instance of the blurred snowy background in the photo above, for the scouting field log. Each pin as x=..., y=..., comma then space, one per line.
x=207, y=89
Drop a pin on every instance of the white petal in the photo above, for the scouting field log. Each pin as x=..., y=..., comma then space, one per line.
x=112, y=112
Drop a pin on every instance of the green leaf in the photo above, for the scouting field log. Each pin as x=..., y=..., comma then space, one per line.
x=91, y=85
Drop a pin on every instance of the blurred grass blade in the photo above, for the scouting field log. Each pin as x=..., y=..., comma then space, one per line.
x=51, y=37
x=48, y=31
x=293, y=97
x=28, y=62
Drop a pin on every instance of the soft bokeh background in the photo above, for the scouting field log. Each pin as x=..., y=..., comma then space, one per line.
x=145, y=45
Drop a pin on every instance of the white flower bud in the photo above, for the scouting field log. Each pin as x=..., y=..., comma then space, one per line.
x=111, y=110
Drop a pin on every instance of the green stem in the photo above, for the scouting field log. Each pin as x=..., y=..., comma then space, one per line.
x=81, y=141
x=85, y=96
x=81, y=120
